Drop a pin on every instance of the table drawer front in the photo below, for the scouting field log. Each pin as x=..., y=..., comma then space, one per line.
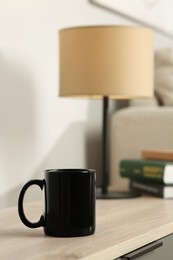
x=158, y=250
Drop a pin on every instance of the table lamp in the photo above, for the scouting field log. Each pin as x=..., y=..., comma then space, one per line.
x=106, y=62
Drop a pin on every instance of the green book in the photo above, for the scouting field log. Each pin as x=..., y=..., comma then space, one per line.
x=154, y=170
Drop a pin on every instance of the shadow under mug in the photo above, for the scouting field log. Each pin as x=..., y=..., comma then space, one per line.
x=70, y=198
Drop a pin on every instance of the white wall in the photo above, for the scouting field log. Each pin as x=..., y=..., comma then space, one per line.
x=38, y=129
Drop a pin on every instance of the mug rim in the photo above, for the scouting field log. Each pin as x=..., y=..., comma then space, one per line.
x=70, y=170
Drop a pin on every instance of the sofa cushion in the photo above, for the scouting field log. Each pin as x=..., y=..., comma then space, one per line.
x=164, y=76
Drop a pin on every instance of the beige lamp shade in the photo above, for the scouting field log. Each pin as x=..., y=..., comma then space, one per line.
x=113, y=61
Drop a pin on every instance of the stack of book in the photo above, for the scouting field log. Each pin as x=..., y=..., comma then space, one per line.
x=153, y=173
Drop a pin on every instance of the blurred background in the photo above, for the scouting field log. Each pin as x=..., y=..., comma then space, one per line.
x=39, y=130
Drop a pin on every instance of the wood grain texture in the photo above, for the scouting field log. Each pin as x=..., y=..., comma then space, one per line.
x=121, y=226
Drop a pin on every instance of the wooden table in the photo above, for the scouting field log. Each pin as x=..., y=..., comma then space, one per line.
x=121, y=226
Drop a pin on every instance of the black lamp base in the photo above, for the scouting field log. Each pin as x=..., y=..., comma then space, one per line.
x=118, y=195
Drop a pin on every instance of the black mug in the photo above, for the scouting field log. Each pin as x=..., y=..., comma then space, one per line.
x=70, y=198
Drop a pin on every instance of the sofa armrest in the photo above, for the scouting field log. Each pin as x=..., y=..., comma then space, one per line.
x=136, y=128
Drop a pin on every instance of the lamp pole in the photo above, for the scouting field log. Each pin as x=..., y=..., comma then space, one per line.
x=105, y=194
x=105, y=150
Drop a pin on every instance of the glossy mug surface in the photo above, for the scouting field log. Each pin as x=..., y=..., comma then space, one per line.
x=70, y=196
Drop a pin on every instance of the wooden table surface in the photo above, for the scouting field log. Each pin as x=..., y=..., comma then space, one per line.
x=121, y=226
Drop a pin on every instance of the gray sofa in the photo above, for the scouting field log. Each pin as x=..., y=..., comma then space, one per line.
x=145, y=123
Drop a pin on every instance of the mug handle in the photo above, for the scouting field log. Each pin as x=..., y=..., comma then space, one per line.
x=22, y=216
